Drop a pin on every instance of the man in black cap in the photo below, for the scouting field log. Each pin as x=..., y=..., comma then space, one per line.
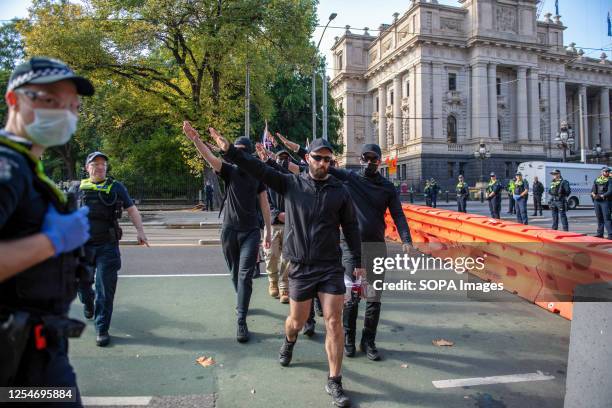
x=602, y=200
x=559, y=190
x=463, y=193
x=494, y=192
x=317, y=205
x=240, y=234
x=106, y=199
x=39, y=229
x=372, y=195
x=520, y=194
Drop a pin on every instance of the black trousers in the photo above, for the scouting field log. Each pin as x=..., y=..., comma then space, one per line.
x=240, y=252
x=558, y=209
x=495, y=207
x=537, y=204
x=602, y=211
x=462, y=204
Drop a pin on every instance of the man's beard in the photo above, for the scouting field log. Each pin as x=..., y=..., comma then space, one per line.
x=318, y=173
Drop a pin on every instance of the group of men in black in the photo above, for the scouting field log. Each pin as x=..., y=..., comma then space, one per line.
x=329, y=215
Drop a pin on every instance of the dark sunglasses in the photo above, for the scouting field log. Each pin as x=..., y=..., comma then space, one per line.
x=369, y=158
x=318, y=158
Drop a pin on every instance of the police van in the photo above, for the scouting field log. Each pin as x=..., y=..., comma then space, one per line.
x=580, y=177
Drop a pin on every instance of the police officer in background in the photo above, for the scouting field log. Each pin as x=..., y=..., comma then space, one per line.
x=106, y=199
x=462, y=194
x=559, y=190
x=494, y=191
x=538, y=190
x=39, y=267
x=520, y=194
x=602, y=200
x=511, y=200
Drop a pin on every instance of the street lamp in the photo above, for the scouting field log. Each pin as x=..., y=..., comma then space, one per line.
x=314, y=87
x=482, y=153
x=565, y=138
x=597, y=152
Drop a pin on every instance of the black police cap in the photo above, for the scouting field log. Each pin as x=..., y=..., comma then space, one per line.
x=42, y=70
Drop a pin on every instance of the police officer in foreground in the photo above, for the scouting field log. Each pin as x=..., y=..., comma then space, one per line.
x=538, y=190
x=559, y=190
x=463, y=193
x=602, y=200
x=494, y=192
x=39, y=232
x=106, y=199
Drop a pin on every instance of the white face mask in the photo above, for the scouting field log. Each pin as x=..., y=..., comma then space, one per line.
x=52, y=127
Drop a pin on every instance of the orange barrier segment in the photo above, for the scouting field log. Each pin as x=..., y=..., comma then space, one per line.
x=537, y=264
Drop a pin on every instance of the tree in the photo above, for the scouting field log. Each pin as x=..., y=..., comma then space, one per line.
x=11, y=51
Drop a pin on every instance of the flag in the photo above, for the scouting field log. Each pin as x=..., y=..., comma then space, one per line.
x=266, y=138
x=609, y=26
x=557, y=7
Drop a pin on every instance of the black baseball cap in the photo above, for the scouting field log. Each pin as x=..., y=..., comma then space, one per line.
x=606, y=169
x=371, y=148
x=319, y=144
x=92, y=156
x=282, y=151
x=518, y=173
x=246, y=142
x=555, y=171
x=43, y=70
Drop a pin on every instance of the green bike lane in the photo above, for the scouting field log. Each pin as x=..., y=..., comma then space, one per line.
x=161, y=324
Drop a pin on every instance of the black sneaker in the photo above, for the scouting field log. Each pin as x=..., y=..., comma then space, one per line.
x=102, y=340
x=349, y=345
x=286, y=352
x=369, y=347
x=88, y=311
x=309, y=329
x=242, y=334
x=317, y=307
x=334, y=388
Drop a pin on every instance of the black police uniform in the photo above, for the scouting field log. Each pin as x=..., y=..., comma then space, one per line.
x=603, y=186
x=495, y=201
x=538, y=190
x=105, y=200
x=559, y=190
x=462, y=196
x=34, y=304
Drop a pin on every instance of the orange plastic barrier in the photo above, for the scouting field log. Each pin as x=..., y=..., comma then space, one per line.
x=540, y=265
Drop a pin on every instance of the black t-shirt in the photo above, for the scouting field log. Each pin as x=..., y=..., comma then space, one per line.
x=242, y=193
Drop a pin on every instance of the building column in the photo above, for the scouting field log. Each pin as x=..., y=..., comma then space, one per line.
x=534, y=105
x=480, y=105
x=555, y=122
x=522, y=121
x=382, y=118
x=604, y=118
x=468, y=119
x=413, y=103
x=584, y=119
x=397, y=109
x=423, y=109
x=562, y=102
x=492, y=80
x=438, y=79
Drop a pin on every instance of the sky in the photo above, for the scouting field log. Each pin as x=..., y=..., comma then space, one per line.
x=585, y=19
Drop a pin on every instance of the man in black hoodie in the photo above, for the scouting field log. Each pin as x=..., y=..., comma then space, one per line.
x=316, y=206
x=372, y=195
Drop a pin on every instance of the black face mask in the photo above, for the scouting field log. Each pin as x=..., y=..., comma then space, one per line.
x=370, y=169
x=284, y=163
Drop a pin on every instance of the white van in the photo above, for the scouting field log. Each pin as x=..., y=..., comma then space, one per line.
x=579, y=175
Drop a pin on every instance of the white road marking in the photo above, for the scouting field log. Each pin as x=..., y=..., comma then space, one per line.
x=114, y=401
x=498, y=379
x=175, y=275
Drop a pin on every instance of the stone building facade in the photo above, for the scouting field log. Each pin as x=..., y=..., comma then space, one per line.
x=440, y=80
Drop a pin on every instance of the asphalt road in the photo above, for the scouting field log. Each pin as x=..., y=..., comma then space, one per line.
x=174, y=303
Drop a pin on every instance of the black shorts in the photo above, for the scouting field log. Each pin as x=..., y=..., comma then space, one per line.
x=305, y=281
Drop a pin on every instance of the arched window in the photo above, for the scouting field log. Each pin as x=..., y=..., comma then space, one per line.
x=451, y=129
x=499, y=129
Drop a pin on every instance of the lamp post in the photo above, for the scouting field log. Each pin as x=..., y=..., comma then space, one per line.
x=597, y=152
x=482, y=153
x=565, y=138
x=314, y=86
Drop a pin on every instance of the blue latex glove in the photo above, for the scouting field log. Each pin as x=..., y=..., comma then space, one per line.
x=516, y=197
x=66, y=231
